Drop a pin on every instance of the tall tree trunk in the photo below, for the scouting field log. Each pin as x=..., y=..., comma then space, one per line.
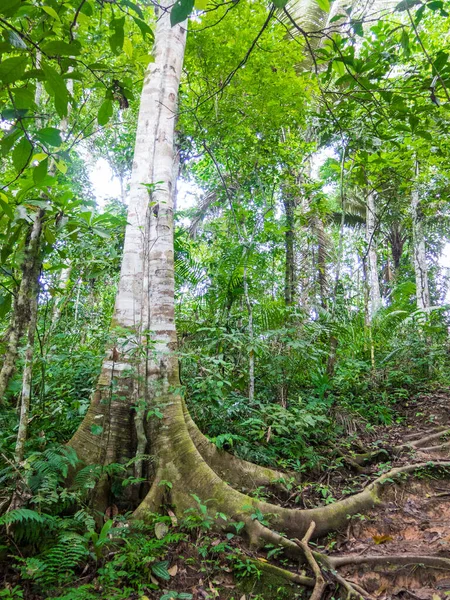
x=289, y=238
x=321, y=260
x=373, y=281
x=419, y=249
x=21, y=314
x=27, y=378
x=141, y=363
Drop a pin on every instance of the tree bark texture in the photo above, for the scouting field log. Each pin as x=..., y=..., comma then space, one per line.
x=141, y=366
x=22, y=305
x=289, y=279
x=419, y=249
x=373, y=280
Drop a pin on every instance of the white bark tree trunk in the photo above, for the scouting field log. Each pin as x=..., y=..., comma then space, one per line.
x=142, y=363
x=419, y=249
x=373, y=281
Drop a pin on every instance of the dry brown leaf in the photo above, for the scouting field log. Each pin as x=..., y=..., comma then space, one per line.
x=172, y=516
x=111, y=512
x=173, y=570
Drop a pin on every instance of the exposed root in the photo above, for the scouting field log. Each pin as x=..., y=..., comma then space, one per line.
x=239, y=473
x=355, y=464
x=423, y=441
x=368, y=457
x=418, y=434
x=432, y=562
x=436, y=448
x=278, y=571
x=320, y=585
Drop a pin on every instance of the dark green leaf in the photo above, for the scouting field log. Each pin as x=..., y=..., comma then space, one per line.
x=13, y=68
x=117, y=38
x=9, y=7
x=404, y=41
x=96, y=429
x=145, y=29
x=440, y=61
x=58, y=87
x=280, y=3
x=40, y=172
x=5, y=304
x=22, y=153
x=105, y=112
x=160, y=570
x=59, y=48
x=49, y=136
x=180, y=11
x=426, y=135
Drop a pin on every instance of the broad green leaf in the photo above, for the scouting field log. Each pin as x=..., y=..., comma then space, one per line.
x=50, y=237
x=51, y=11
x=7, y=208
x=358, y=28
x=61, y=166
x=5, y=304
x=50, y=136
x=145, y=29
x=60, y=48
x=9, y=140
x=202, y=4
x=12, y=69
x=58, y=87
x=105, y=112
x=277, y=3
x=15, y=40
x=40, y=172
x=180, y=11
x=22, y=154
x=134, y=7
x=440, y=61
x=117, y=38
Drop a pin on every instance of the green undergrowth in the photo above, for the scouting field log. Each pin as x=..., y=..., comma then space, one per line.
x=54, y=545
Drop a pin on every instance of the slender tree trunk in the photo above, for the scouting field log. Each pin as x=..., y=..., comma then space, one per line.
x=373, y=281
x=251, y=357
x=419, y=249
x=21, y=313
x=397, y=241
x=27, y=378
x=321, y=260
x=289, y=279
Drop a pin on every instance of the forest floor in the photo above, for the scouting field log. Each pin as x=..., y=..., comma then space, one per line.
x=415, y=516
x=414, y=519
